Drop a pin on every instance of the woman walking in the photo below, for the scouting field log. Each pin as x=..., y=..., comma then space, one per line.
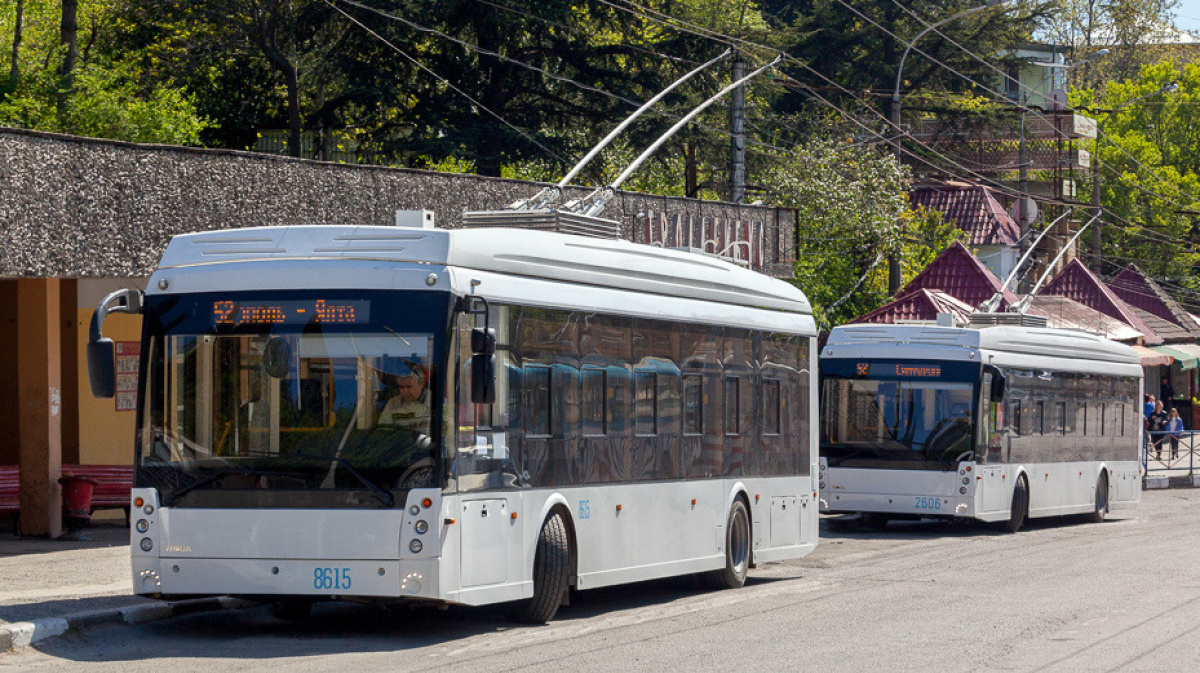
x=1174, y=431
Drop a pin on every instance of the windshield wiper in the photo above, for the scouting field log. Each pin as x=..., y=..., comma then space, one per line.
x=384, y=496
x=215, y=477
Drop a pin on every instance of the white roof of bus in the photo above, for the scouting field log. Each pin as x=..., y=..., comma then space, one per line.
x=1042, y=341
x=518, y=252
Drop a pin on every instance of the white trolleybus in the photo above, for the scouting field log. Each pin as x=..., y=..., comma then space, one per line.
x=994, y=423
x=466, y=416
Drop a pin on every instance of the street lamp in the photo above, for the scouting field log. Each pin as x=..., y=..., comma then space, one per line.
x=1170, y=87
x=894, y=260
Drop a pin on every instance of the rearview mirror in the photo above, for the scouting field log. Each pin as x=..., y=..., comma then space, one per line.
x=102, y=374
x=483, y=378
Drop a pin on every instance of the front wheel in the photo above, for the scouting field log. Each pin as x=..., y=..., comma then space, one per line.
x=551, y=573
x=737, y=550
x=1020, y=506
x=1101, y=510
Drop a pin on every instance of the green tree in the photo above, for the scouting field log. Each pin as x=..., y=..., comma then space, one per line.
x=1149, y=167
x=852, y=210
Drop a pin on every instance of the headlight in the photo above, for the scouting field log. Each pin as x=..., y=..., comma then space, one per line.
x=962, y=489
x=143, y=525
x=966, y=481
x=822, y=484
x=147, y=544
x=415, y=546
x=421, y=527
x=148, y=510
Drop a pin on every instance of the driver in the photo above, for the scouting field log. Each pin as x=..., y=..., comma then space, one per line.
x=410, y=408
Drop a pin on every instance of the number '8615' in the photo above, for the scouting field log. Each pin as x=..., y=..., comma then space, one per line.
x=331, y=578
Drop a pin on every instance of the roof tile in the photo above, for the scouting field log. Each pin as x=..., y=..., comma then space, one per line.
x=973, y=208
x=960, y=274
x=1078, y=283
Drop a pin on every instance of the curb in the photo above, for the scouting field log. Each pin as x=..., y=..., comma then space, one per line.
x=19, y=635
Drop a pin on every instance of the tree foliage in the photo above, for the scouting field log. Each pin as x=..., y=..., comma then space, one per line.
x=1149, y=167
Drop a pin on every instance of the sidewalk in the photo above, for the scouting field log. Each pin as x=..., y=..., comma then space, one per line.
x=50, y=585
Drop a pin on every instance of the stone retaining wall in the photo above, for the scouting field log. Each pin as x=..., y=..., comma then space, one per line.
x=80, y=207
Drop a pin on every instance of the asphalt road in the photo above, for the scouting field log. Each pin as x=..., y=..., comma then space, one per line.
x=1060, y=596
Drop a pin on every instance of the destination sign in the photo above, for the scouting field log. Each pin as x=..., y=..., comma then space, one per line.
x=227, y=312
x=892, y=369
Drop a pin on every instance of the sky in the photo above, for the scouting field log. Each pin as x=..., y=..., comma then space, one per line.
x=1188, y=15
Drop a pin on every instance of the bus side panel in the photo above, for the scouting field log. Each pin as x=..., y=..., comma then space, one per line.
x=635, y=532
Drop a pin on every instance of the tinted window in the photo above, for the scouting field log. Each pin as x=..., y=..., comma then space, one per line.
x=645, y=403
x=732, y=403
x=693, y=404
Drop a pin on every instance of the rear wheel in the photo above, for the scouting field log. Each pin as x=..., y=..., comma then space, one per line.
x=737, y=550
x=551, y=573
x=1020, y=506
x=1101, y=499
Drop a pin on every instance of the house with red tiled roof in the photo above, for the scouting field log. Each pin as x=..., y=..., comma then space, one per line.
x=955, y=282
x=991, y=232
x=920, y=304
x=1077, y=282
x=962, y=275
x=1136, y=288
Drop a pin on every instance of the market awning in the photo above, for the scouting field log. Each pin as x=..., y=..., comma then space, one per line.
x=1152, y=358
x=1191, y=352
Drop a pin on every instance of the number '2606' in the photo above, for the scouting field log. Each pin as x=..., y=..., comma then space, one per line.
x=331, y=578
x=924, y=502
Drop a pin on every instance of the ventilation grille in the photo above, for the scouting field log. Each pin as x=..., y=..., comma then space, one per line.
x=1014, y=319
x=544, y=220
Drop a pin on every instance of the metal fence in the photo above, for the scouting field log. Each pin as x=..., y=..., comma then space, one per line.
x=1170, y=454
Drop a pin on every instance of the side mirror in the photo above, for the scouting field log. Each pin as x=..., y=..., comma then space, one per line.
x=102, y=371
x=483, y=340
x=996, y=394
x=483, y=378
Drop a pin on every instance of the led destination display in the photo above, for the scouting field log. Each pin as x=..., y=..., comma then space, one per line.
x=231, y=313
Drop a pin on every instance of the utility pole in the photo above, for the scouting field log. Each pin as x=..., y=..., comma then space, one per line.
x=737, y=132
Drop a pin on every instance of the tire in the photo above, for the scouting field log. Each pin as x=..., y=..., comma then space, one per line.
x=291, y=609
x=874, y=521
x=1020, y=506
x=1101, y=510
x=737, y=550
x=551, y=573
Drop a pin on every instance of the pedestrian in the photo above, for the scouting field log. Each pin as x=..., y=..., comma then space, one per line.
x=1166, y=390
x=1158, y=424
x=1148, y=406
x=1174, y=431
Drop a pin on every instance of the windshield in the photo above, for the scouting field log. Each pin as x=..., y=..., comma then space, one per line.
x=899, y=416
x=291, y=401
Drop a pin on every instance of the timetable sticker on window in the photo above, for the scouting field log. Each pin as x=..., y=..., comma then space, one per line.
x=127, y=354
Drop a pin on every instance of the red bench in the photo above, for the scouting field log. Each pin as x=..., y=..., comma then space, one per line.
x=113, y=485
x=10, y=494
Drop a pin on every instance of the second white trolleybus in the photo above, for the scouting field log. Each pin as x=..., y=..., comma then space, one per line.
x=994, y=423
x=462, y=416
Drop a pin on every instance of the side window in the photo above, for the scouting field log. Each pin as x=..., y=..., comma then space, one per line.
x=594, y=384
x=770, y=408
x=1060, y=418
x=645, y=395
x=732, y=404
x=1082, y=409
x=1039, y=418
x=1101, y=416
x=693, y=404
x=537, y=401
x=1014, y=416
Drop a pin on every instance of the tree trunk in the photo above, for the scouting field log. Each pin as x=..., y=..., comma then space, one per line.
x=293, y=95
x=15, y=72
x=69, y=29
x=691, y=171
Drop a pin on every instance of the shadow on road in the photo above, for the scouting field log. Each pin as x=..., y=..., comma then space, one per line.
x=851, y=527
x=254, y=634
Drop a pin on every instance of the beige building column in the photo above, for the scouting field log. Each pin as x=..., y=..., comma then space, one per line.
x=39, y=399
